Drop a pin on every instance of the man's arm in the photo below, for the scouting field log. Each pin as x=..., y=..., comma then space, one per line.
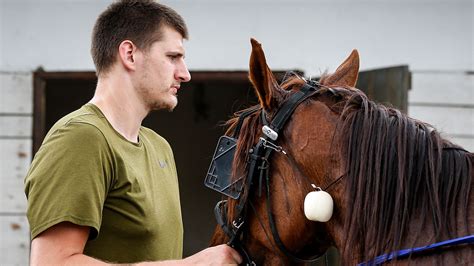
x=61, y=244
x=64, y=243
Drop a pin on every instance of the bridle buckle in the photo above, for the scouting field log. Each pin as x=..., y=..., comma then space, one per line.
x=270, y=145
x=236, y=224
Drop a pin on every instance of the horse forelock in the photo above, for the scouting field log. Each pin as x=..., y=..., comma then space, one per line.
x=397, y=170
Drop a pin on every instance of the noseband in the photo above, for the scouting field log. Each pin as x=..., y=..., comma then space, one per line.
x=219, y=176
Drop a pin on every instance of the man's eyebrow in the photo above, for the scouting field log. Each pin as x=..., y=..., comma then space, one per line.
x=178, y=53
x=175, y=52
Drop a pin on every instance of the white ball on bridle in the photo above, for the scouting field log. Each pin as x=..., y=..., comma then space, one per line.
x=318, y=205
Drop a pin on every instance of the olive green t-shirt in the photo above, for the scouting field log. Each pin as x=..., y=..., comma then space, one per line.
x=88, y=174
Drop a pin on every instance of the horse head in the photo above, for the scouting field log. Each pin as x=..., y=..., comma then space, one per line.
x=389, y=175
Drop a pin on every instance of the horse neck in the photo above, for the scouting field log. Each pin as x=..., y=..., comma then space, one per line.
x=403, y=186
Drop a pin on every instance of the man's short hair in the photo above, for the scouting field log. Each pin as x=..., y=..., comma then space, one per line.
x=139, y=21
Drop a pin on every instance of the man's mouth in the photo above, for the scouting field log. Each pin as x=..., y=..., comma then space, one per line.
x=175, y=89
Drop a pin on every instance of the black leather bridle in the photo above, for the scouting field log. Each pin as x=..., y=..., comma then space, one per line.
x=258, y=169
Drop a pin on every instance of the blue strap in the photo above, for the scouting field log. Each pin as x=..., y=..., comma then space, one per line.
x=406, y=252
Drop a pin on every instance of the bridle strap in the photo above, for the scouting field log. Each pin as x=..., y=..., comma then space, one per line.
x=219, y=210
x=280, y=119
x=273, y=228
x=285, y=112
x=234, y=230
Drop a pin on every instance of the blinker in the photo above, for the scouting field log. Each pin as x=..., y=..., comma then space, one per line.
x=219, y=175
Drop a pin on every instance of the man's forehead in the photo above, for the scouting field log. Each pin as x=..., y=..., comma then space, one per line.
x=169, y=32
x=171, y=37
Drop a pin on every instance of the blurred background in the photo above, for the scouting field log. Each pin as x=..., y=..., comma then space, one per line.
x=416, y=55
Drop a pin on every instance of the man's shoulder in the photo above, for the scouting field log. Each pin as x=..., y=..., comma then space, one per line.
x=85, y=114
x=80, y=121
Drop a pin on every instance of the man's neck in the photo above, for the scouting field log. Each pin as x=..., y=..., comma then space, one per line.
x=117, y=100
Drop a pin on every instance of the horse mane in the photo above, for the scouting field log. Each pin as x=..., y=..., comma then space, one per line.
x=397, y=168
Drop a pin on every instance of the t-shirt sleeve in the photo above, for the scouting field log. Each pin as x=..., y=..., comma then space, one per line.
x=69, y=179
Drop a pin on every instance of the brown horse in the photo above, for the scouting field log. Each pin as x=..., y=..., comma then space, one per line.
x=395, y=182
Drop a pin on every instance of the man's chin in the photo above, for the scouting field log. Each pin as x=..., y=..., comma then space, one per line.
x=173, y=105
x=171, y=108
x=165, y=106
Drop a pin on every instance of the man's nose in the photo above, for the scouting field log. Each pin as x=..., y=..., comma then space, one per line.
x=182, y=73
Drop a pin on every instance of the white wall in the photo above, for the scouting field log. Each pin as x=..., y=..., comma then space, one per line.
x=311, y=35
x=15, y=158
x=446, y=100
x=435, y=38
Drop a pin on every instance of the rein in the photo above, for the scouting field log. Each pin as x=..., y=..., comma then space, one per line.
x=405, y=253
x=400, y=254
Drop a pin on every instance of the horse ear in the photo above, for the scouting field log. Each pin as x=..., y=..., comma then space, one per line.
x=346, y=74
x=265, y=84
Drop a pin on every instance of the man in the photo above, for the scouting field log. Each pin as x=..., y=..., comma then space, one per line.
x=102, y=188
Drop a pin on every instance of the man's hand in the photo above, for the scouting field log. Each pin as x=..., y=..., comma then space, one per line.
x=218, y=255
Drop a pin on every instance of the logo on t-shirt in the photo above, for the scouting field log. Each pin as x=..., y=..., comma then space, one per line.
x=163, y=164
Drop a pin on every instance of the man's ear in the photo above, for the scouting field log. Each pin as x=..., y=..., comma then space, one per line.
x=127, y=54
x=265, y=84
